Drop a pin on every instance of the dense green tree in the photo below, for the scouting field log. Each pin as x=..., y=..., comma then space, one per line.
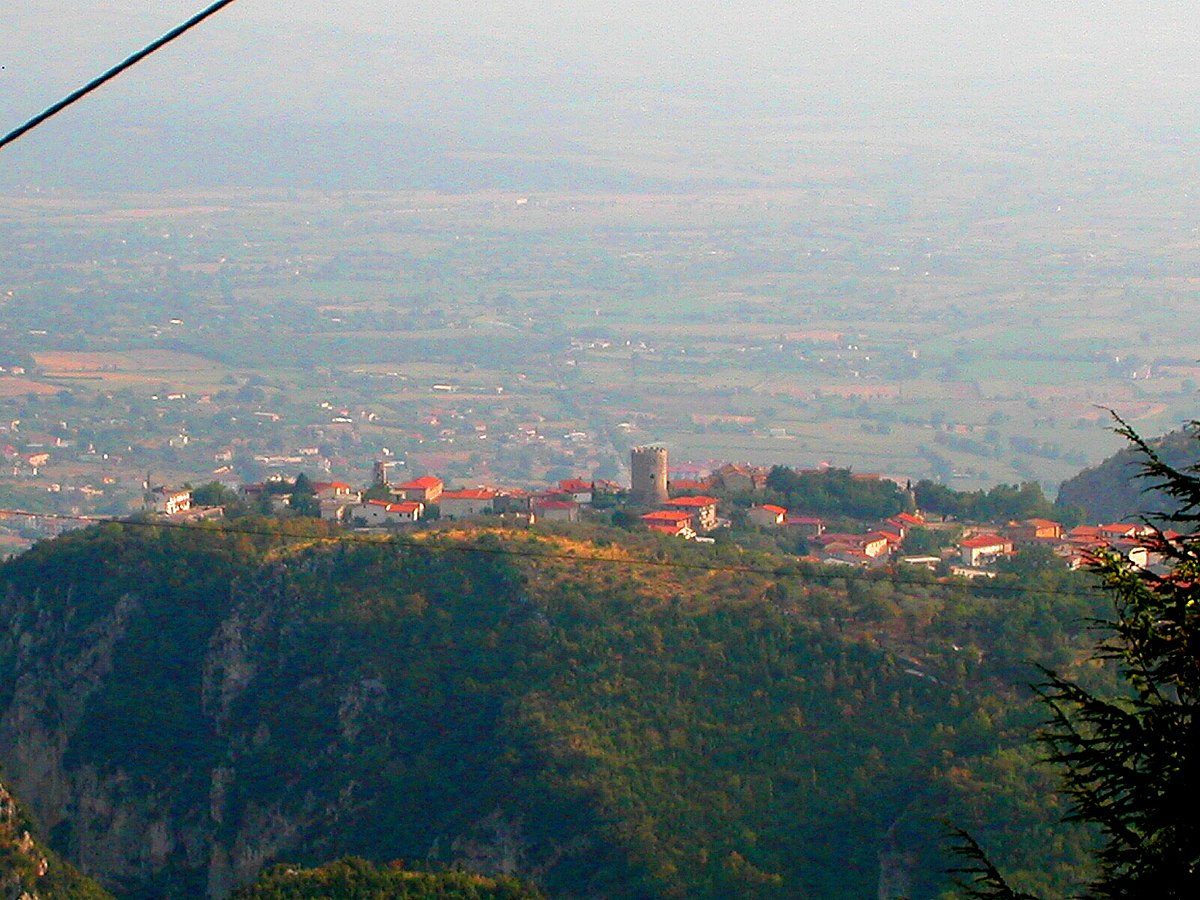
x=377, y=491
x=644, y=731
x=1031, y=560
x=1130, y=762
x=304, y=498
x=836, y=492
x=1004, y=501
x=920, y=541
x=214, y=494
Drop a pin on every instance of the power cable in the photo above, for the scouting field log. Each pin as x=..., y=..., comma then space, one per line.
x=419, y=545
x=112, y=73
x=428, y=547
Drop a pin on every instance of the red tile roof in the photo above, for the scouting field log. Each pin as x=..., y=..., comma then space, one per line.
x=667, y=515
x=687, y=484
x=692, y=502
x=555, y=504
x=839, y=537
x=771, y=507
x=405, y=506
x=666, y=529
x=1122, y=528
x=985, y=540
x=417, y=484
x=469, y=494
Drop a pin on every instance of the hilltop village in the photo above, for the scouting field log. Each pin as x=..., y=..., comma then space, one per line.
x=850, y=519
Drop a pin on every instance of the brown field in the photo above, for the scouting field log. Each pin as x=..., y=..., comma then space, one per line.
x=64, y=362
x=16, y=387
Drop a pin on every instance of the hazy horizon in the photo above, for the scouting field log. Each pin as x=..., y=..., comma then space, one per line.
x=513, y=76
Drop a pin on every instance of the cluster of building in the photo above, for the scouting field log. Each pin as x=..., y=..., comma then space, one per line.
x=1076, y=547
x=691, y=514
x=404, y=503
x=975, y=553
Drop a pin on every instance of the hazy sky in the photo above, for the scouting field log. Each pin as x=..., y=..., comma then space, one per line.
x=423, y=63
x=47, y=44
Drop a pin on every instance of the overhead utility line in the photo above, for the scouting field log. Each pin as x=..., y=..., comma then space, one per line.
x=112, y=73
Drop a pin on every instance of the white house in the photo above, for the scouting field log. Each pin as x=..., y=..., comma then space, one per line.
x=168, y=501
x=554, y=510
x=983, y=549
x=383, y=512
x=767, y=516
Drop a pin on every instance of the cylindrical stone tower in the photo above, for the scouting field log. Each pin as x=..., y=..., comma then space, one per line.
x=648, y=475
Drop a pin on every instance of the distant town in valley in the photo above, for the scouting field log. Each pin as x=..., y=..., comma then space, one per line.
x=734, y=502
x=499, y=337
x=600, y=450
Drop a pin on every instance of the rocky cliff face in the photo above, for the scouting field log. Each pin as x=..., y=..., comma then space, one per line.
x=113, y=817
x=30, y=872
x=175, y=736
x=181, y=708
x=21, y=862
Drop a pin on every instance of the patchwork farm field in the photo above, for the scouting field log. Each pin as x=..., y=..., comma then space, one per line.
x=66, y=362
x=918, y=326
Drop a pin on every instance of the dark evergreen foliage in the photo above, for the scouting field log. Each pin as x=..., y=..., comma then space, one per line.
x=1130, y=760
x=997, y=504
x=836, y=492
x=215, y=494
x=304, y=498
x=1112, y=491
x=631, y=731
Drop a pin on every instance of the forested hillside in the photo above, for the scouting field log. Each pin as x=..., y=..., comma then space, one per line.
x=1112, y=492
x=183, y=706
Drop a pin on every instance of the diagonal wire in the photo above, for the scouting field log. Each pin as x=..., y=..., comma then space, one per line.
x=112, y=73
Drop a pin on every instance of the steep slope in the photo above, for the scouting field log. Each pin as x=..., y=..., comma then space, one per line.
x=183, y=707
x=1112, y=492
x=31, y=872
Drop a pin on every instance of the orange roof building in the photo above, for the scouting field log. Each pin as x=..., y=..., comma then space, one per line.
x=704, y=508
x=469, y=502
x=425, y=489
x=675, y=522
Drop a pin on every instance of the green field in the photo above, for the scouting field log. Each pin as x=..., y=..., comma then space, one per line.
x=925, y=321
